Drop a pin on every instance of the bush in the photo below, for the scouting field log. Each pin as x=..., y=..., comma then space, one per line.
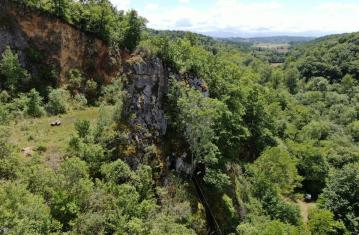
x=83, y=128
x=75, y=81
x=4, y=115
x=354, y=130
x=22, y=212
x=118, y=172
x=58, y=101
x=322, y=222
x=79, y=102
x=111, y=94
x=91, y=91
x=267, y=227
x=34, y=106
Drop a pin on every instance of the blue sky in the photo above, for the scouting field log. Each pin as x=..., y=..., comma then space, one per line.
x=248, y=18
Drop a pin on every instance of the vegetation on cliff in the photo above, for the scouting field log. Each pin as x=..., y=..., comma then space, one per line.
x=120, y=29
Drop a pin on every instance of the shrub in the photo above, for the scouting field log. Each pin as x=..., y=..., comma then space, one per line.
x=322, y=222
x=58, y=101
x=4, y=115
x=110, y=94
x=354, y=130
x=83, y=128
x=75, y=81
x=117, y=172
x=79, y=102
x=34, y=106
x=22, y=212
x=91, y=91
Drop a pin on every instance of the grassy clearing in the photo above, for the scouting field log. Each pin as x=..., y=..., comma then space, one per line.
x=52, y=141
x=281, y=47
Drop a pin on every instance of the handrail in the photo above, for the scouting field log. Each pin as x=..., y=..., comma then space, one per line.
x=206, y=204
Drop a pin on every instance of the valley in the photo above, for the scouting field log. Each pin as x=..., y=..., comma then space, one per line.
x=110, y=127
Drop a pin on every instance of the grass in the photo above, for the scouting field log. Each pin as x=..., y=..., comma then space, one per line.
x=304, y=209
x=51, y=142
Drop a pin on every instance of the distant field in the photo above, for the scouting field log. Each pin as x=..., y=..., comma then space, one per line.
x=274, y=53
x=39, y=134
x=280, y=47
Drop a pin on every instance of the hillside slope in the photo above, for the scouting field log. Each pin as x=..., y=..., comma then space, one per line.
x=331, y=57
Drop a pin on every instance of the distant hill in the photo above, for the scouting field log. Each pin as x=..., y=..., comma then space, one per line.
x=173, y=34
x=274, y=39
x=331, y=57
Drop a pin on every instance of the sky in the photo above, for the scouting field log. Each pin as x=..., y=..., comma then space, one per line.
x=249, y=18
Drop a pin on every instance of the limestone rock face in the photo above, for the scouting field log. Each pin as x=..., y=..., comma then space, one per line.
x=145, y=107
x=146, y=88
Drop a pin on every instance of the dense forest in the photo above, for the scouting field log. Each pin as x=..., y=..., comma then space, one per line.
x=270, y=150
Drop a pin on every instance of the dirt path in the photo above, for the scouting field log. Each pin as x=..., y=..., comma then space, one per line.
x=304, y=209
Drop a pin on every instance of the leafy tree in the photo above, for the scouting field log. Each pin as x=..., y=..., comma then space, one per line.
x=277, y=168
x=312, y=165
x=104, y=132
x=354, y=130
x=198, y=115
x=318, y=84
x=118, y=172
x=267, y=227
x=347, y=85
x=10, y=162
x=275, y=173
x=292, y=77
x=13, y=74
x=322, y=222
x=4, y=114
x=22, y=212
x=257, y=120
x=132, y=27
x=341, y=196
x=85, y=149
x=61, y=8
x=167, y=225
x=72, y=195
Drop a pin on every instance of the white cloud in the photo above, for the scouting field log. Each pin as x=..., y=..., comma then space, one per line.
x=239, y=16
x=336, y=6
x=121, y=4
x=224, y=14
x=151, y=6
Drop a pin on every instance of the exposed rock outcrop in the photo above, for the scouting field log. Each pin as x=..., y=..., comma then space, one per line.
x=43, y=41
x=145, y=108
x=146, y=88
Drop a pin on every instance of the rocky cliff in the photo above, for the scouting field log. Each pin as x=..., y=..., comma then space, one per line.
x=49, y=47
x=146, y=107
x=44, y=42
